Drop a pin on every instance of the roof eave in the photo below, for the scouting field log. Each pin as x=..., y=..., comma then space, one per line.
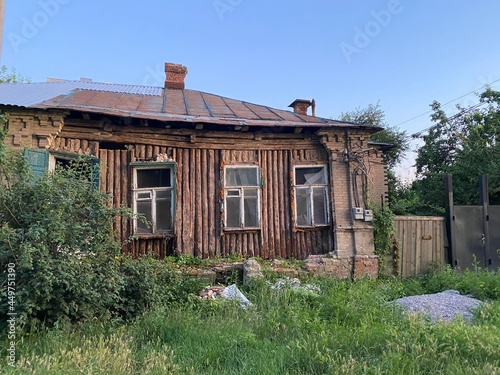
x=167, y=117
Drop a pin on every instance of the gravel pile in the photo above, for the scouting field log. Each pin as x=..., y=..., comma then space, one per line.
x=444, y=306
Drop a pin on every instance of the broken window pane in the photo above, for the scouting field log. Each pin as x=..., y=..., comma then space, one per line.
x=310, y=176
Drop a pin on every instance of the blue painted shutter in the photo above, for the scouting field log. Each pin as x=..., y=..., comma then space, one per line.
x=38, y=160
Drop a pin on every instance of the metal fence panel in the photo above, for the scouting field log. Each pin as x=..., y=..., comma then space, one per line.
x=493, y=250
x=468, y=233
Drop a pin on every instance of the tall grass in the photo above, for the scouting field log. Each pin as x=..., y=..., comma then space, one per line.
x=346, y=328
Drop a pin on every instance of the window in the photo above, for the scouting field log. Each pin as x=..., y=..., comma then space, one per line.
x=85, y=167
x=41, y=161
x=241, y=197
x=153, y=197
x=311, y=196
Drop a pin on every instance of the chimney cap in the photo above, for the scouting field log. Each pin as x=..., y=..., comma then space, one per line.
x=299, y=101
x=300, y=106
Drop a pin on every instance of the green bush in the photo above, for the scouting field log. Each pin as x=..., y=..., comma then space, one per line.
x=383, y=229
x=56, y=235
x=480, y=283
x=149, y=283
x=344, y=327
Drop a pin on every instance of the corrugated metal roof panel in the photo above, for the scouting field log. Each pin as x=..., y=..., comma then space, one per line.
x=27, y=94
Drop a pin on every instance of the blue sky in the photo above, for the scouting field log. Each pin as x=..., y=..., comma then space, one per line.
x=344, y=54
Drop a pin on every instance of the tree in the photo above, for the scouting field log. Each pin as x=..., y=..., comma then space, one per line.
x=373, y=115
x=11, y=76
x=465, y=145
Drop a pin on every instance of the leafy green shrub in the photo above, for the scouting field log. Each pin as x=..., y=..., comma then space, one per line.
x=480, y=283
x=149, y=282
x=383, y=229
x=56, y=235
x=56, y=241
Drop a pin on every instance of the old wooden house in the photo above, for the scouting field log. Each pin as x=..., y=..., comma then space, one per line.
x=214, y=176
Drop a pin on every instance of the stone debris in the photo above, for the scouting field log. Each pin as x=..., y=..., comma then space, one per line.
x=251, y=271
x=211, y=292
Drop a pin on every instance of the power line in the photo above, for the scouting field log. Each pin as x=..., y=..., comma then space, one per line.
x=451, y=101
x=461, y=113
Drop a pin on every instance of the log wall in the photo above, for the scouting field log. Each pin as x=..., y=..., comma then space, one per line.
x=200, y=158
x=198, y=216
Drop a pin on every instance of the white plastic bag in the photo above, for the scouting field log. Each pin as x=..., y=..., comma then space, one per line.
x=232, y=292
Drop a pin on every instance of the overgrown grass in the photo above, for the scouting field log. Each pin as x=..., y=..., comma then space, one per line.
x=347, y=328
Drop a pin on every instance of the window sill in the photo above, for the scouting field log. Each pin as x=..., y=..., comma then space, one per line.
x=241, y=230
x=151, y=236
x=311, y=229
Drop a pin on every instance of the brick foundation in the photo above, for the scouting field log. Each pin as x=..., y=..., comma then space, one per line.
x=342, y=268
x=365, y=265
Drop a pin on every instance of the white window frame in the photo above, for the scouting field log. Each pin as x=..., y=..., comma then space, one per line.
x=153, y=230
x=241, y=195
x=310, y=205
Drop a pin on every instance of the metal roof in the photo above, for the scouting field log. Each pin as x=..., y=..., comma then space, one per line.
x=28, y=94
x=154, y=103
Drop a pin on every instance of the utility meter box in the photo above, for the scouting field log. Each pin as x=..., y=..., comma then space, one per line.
x=357, y=213
x=368, y=215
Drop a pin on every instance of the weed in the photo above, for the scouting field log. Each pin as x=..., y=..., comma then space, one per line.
x=346, y=328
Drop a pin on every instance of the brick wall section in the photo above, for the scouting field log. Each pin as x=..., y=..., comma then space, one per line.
x=34, y=129
x=378, y=188
x=354, y=238
x=330, y=265
x=365, y=265
x=342, y=268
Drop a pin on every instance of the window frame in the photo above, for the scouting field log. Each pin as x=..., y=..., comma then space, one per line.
x=42, y=160
x=241, y=196
x=153, y=230
x=310, y=196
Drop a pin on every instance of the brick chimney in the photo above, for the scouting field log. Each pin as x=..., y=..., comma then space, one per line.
x=300, y=106
x=174, y=76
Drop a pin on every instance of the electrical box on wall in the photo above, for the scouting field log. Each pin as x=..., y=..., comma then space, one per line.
x=357, y=213
x=368, y=215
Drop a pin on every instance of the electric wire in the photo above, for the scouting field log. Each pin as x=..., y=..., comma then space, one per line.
x=449, y=102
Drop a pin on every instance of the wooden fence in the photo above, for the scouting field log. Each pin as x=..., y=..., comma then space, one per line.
x=420, y=242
